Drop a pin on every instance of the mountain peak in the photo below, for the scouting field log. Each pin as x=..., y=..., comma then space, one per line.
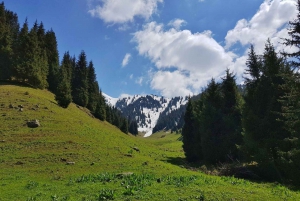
x=146, y=109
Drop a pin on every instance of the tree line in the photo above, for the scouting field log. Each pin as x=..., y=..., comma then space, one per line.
x=30, y=55
x=260, y=127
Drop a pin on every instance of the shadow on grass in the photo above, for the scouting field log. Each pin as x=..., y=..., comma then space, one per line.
x=237, y=170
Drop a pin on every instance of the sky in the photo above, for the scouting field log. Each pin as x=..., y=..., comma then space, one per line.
x=162, y=47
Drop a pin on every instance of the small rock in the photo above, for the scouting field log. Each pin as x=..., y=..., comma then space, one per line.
x=63, y=159
x=124, y=174
x=158, y=180
x=92, y=163
x=20, y=109
x=20, y=106
x=70, y=163
x=19, y=163
x=37, y=106
x=33, y=124
x=2, y=141
x=11, y=106
x=136, y=149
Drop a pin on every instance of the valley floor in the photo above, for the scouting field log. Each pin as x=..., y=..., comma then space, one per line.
x=73, y=156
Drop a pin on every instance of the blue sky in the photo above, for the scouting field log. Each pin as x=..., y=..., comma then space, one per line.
x=163, y=47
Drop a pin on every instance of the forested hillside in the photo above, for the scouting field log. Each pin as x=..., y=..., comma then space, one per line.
x=30, y=56
x=259, y=128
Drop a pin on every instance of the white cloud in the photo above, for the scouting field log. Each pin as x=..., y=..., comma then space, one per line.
x=122, y=11
x=269, y=22
x=126, y=60
x=177, y=23
x=131, y=76
x=195, y=56
x=186, y=61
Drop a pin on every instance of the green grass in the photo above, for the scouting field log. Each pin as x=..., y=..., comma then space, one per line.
x=33, y=161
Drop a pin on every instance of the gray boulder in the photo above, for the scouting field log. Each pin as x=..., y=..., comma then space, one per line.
x=33, y=124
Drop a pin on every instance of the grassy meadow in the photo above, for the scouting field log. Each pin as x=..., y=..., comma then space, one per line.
x=73, y=156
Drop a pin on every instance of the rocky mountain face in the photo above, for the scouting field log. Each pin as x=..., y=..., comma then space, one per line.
x=152, y=113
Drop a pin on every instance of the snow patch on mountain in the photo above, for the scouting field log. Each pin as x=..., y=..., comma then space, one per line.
x=146, y=109
x=110, y=100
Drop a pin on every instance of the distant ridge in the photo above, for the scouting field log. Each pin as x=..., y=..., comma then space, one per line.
x=148, y=109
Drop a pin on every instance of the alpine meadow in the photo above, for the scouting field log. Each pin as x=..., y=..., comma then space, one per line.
x=62, y=138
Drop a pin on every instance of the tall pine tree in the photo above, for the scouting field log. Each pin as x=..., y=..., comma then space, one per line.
x=93, y=88
x=189, y=134
x=80, y=93
x=63, y=93
x=53, y=59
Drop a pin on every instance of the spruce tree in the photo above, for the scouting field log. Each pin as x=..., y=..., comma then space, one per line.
x=189, y=134
x=63, y=94
x=12, y=23
x=53, y=60
x=80, y=82
x=5, y=46
x=232, y=115
x=100, y=110
x=124, y=125
x=211, y=120
x=294, y=41
x=38, y=67
x=108, y=113
x=22, y=51
x=93, y=89
x=263, y=132
x=133, y=127
x=290, y=156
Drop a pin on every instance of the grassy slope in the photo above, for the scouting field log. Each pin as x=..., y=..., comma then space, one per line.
x=31, y=167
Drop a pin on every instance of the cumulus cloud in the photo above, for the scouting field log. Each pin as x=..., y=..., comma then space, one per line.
x=196, y=57
x=122, y=11
x=177, y=23
x=126, y=60
x=269, y=22
x=186, y=61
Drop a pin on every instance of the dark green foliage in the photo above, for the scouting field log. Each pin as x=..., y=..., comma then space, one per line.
x=100, y=110
x=124, y=125
x=232, y=115
x=80, y=82
x=264, y=129
x=212, y=128
x=93, y=89
x=190, y=139
x=108, y=113
x=133, y=127
x=50, y=45
x=290, y=153
x=32, y=66
x=7, y=40
x=63, y=93
x=211, y=124
x=294, y=40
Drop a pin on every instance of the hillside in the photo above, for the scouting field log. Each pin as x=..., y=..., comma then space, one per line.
x=73, y=156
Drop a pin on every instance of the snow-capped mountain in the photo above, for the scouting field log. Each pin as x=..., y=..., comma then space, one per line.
x=147, y=109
